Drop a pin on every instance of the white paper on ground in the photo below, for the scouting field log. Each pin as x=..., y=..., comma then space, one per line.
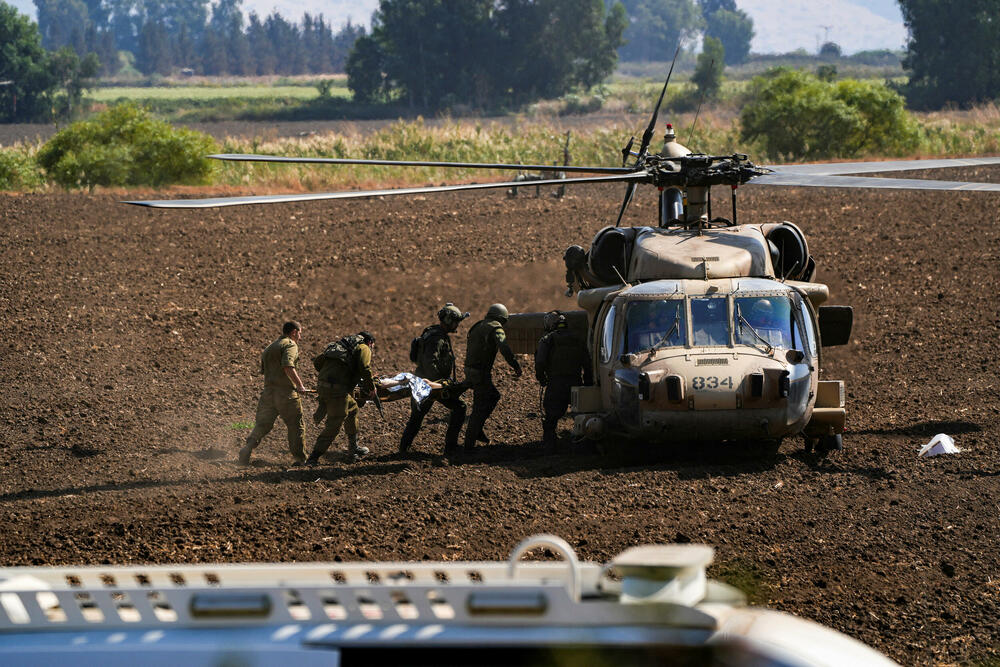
x=939, y=444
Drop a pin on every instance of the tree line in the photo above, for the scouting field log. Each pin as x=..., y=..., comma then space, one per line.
x=211, y=39
x=433, y=54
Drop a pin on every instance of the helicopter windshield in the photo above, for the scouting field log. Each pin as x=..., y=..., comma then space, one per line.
x=710, y=321
x=655, y=324
x=763, y=319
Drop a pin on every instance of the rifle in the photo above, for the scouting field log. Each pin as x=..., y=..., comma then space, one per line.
x=378, y=404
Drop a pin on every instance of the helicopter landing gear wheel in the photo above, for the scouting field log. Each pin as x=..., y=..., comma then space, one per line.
x=830, y=443
x=603, y=448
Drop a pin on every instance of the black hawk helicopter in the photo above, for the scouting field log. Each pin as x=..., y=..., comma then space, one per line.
x=699, y=328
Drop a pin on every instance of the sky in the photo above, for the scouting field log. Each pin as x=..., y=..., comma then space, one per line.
x=780, y=25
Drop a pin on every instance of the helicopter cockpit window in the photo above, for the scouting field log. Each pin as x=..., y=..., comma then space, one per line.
x=763, y=320
x=608, y=335
x=810, y=334
x=709, y=322
x=655, y=324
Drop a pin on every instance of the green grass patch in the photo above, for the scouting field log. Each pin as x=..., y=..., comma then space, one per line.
x=240, y=426
x=19, y=170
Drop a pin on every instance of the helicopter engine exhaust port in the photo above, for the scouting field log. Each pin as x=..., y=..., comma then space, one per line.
x=611, y=254
x=789, y=252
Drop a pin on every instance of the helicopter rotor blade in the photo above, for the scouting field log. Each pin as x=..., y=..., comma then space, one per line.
x=356, y=194
x=837, y=181
x=241, y=157
x=836, y=168
x=629, y=190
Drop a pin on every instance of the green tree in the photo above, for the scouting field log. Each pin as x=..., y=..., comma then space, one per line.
x=550, y=47
x=708, y=71
x=439, y=53
x=734, y=28
x=953, y=54
x=795, y=115
x=826, y=72
x=59, y=19
x=154, y=56
x=366, y=72
x=830, y=51
x=261, y=48
x=124, y=146
x=657, y=27
x=42, y=85
x=72, y=76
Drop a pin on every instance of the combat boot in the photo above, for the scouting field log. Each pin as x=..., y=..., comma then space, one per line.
x=244, y=456
x=354, y=450
x=549, y=441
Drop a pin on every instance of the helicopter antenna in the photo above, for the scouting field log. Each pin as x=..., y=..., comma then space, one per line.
x=647, y=136
x=619, y=274
x=700, y=102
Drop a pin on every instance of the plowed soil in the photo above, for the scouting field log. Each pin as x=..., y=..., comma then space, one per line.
x=131, y=341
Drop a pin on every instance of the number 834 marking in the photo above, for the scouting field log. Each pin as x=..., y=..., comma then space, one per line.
x=699, y=383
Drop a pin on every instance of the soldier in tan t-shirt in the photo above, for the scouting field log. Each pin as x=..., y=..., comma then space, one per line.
x=280, y=397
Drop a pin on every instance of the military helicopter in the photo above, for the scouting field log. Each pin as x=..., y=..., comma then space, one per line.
x=700, y=328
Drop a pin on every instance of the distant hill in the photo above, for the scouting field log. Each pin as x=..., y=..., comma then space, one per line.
x=787, y=25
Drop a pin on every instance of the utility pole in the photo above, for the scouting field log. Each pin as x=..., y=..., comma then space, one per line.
x=826, y=36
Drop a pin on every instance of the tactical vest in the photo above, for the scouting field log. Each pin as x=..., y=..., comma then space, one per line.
x=482, y=348
x=567, y=354
x=424, y=353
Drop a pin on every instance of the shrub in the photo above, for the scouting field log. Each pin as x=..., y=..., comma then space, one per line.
x=795, y=115
x=125, y=146
x=19, y=171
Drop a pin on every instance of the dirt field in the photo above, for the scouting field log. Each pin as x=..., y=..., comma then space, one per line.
x=132, y=338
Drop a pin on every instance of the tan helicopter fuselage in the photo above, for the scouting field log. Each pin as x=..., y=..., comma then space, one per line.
x=740, y=381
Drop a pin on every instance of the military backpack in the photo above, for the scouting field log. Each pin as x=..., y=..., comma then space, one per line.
x=341, y=350
x=417, y=344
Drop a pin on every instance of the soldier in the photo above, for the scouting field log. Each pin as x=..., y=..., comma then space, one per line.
x=560, y=361
x=342, y=366
x=280, y=396
x=435, y=361
x=485, y=337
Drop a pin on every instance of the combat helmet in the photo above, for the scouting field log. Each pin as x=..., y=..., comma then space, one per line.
x=498, y=311
x=450, y=315
x=763, y=310
x=552, y=320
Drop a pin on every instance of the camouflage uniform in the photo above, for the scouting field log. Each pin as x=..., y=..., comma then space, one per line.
x=337, y=380
x=561, y=362
x=436, y=361
x=279, y=398
x=486, y=337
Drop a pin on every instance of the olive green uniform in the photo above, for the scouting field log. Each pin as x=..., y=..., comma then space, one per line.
x=336, y=384
x=561, y=362
x=436, y=361
x=486, y=338
x=279, y=398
